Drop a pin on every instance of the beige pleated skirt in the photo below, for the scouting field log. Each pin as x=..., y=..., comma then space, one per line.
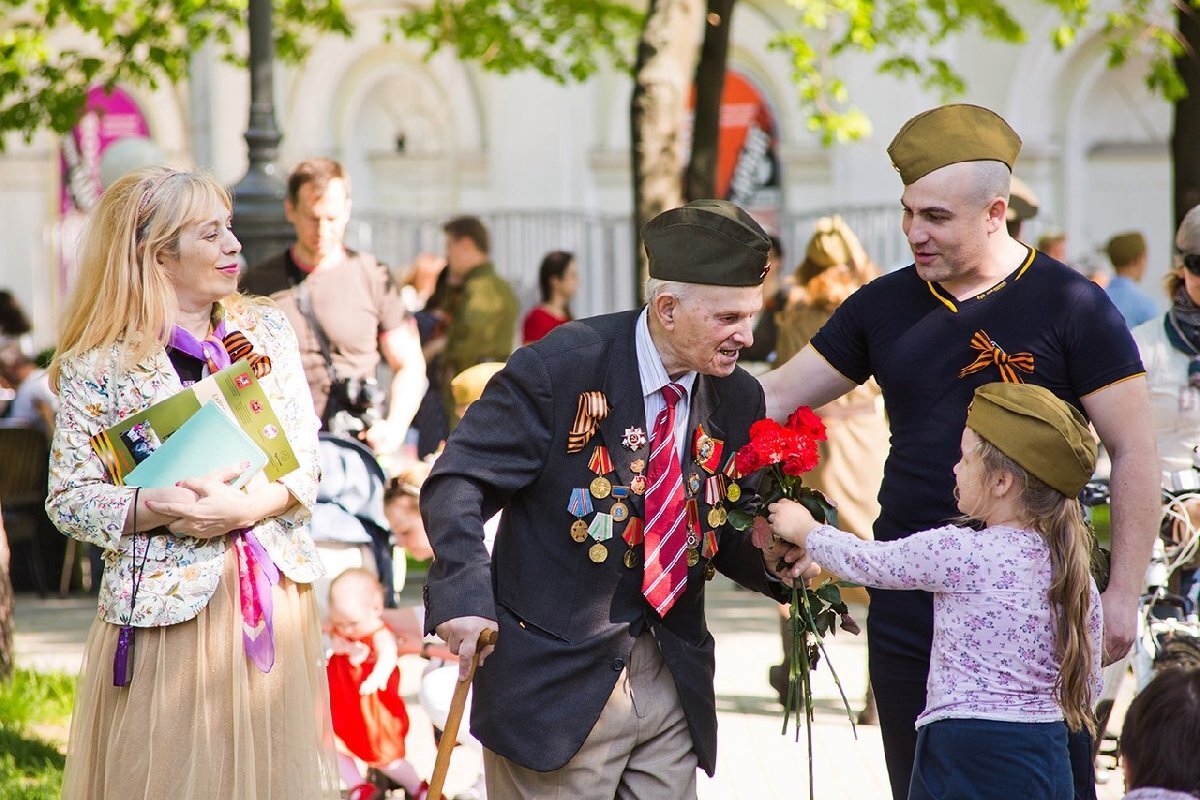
x=199, y=721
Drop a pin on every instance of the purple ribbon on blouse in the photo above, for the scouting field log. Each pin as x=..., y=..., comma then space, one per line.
x=257, y=572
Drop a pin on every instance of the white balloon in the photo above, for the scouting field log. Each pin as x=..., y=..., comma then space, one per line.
x=127, y=154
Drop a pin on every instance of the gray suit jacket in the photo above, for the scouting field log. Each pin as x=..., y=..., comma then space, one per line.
x=567, y=624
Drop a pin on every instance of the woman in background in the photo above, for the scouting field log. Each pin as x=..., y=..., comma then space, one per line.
x=851, y=465
x=224, y=694
x=1170, y=348
x=558, y=279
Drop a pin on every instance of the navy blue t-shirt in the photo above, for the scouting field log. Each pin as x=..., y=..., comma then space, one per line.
x=1044, y=324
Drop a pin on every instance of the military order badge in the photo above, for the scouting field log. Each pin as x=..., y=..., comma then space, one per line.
x=634, y=439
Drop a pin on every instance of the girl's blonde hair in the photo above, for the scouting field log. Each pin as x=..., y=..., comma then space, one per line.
x=122, y=293
x=1058, y=519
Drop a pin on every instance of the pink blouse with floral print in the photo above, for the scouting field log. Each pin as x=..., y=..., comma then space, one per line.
x=181, y=573
x=993, y=630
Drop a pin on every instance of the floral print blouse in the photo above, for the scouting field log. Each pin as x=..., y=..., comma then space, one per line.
x=993, y=629
x=181, y=573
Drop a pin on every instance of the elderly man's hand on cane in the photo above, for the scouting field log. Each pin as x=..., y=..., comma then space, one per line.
x=461, y=635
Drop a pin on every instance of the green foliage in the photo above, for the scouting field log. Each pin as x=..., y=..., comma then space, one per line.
x=52, y=51
x=902, y=33
x=562, y=39
x=905, y=34
x=30, y=767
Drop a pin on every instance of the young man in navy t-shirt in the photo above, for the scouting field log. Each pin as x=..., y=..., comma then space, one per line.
x=976, y=306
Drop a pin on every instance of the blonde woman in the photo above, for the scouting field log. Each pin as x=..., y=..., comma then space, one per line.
x=202, y=676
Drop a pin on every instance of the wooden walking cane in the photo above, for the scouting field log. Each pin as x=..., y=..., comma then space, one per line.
x=441, y=765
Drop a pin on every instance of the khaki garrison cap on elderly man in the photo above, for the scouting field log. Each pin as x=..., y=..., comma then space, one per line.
x=1048, y=437
x=707, y=241
x=949, y=135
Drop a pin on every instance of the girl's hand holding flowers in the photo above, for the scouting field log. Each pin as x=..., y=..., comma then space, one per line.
x=791, y=521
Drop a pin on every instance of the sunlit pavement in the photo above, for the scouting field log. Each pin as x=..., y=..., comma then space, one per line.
x=754, y=760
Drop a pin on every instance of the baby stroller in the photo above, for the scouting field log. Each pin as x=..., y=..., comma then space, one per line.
x=350, y=506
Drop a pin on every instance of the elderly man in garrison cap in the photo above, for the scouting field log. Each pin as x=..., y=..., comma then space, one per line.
x=976, y=306
x=607, y=447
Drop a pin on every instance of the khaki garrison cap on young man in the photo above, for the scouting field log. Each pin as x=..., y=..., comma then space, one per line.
x=707, y=241
x=1047, y=436
x=951, y=134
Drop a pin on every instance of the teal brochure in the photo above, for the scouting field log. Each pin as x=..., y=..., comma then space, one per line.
x=208, y=441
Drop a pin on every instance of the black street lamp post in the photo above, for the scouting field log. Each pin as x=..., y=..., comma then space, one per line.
x=258, y=218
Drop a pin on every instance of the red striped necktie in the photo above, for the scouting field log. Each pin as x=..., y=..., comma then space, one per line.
x=666, y=568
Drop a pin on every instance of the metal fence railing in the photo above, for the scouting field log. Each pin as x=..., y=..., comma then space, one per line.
x=603, y=245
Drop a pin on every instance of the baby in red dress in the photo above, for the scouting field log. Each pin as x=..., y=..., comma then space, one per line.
x=369, y=715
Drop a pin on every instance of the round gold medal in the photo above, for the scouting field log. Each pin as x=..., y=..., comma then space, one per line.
x=709, y=571
x=717, y=517
x=630, y=558
x=579, y=530
x=597, y=553
x=693, y=558
x=601, y=487
x=619, y=511
x=733, y=493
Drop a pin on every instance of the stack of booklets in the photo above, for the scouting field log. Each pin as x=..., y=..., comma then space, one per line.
x=222, y=421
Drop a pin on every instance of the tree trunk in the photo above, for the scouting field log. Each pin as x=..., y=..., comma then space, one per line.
x=706, y=119
x=662, y=79
x=6, y=608
x=1187, y=116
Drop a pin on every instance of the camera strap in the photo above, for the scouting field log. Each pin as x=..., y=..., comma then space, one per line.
x=304, y=301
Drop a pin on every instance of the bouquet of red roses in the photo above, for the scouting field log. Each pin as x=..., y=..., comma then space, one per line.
x=786, y=452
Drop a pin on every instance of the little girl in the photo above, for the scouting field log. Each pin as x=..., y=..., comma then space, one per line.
x=1017, y=619
x=369, y=715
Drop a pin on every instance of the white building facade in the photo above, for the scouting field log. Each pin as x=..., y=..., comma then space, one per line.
x=548, y=165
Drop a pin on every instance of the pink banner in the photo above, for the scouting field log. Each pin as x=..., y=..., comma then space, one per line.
x=107, y=118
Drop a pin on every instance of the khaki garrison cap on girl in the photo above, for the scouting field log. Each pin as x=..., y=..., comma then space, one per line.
x=948, y=135
x=1048, y=437
x=707, y=241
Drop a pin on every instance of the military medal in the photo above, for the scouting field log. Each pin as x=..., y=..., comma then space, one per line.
x=619, y=511
x=710, y=544
x=710, y=570
x=693, y=484
x=579, y=507
x=706, y=450
x=597, y=553
x=634, y=534
x=714, y=493
x=601, y=528
x=638, y=483
x=634, y=439
x=733, y=492
x=693, y=533
x=600, y=464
